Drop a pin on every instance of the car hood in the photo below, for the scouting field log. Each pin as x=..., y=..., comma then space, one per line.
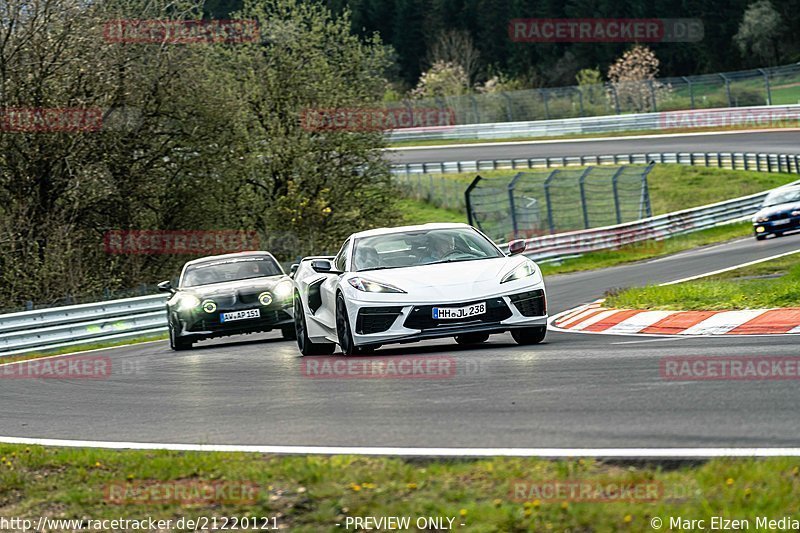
x=444, y=274
x=229, y=287
x=777, y=209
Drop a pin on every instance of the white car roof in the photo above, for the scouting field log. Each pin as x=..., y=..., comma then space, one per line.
x=226, y=256
x=387, y=231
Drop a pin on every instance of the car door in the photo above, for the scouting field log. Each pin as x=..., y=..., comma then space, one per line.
x=327, y=311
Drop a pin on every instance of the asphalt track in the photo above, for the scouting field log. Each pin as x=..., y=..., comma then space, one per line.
x=781, y=142
x=573, y=391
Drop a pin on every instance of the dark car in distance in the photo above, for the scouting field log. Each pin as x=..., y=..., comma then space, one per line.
x=230, y=294
x=779, y=213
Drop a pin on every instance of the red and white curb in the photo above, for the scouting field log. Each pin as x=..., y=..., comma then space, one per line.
x=594, y=318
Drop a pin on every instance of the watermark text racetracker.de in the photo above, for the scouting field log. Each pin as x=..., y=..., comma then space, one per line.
x=388, y=367
x=159, y=31
x=50, y=119
x=600, y=490
x=92, y=367
x=196, y=242
x=605, y=30
x=184, y=523
x=375, y=119
x=729, y=368
x=725, y=118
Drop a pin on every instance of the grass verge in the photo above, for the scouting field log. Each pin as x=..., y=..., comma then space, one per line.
x=312, y=493
x=649, y=249
x=81, y=348
x=419, y=212
x=770, y=284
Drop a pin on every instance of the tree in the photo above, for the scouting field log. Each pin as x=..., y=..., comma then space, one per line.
x=442, y=79
x=456, y=47
x=633, y=80
x=759, y=33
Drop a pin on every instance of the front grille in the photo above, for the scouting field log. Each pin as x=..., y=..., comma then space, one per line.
x=530, y=303
x=421, y=317
x=212, y=323
x=248, y=297
x=376, y=319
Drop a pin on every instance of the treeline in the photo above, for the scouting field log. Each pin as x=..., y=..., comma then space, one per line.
x=412, y=28
x=202, y=136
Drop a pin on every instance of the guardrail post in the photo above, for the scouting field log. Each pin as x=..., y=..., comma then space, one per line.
x=616, y=97
x=769, y=163
x=691, y=91
x=646, y=191
x=727, y=88
x=544, y=100
x=766, y=85
x=470, y=219
x=550, y=222
x=582, y=185
x=616, y=194
x=512, y=204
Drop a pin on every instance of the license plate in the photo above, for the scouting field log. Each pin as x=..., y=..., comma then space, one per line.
x=240, y=315
x=781, y=222
x=451, y=313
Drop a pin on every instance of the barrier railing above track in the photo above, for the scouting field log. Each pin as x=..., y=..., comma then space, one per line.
x=755, y=116
x=788, y=163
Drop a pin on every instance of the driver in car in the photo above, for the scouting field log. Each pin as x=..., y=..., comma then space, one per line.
x=438, y=248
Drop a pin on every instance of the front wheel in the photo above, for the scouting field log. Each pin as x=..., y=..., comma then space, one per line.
x=289, y=332
x=761, y=236
x=176, y=342
x=301, y=333
x=343, y=331
x=532, y=335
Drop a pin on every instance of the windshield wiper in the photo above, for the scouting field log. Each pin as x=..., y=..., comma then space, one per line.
x=376, y=268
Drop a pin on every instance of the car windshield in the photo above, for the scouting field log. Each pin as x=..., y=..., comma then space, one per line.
x=234, y=269
x=423, y=247
x=782, y=197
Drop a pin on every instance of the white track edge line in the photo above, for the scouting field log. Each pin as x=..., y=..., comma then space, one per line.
x=728, y=269
x=415, y=451
x=76, y=353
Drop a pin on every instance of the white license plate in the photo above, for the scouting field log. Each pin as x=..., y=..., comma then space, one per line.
x=450, y=313
x=781, y=222
x=240, y=315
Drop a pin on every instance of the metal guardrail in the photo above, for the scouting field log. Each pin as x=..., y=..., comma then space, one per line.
x=668, y=120
x=654, y=228
x=74, y=325
x=789, y=163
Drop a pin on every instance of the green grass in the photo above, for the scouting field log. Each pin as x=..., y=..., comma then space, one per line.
x=779, y=97
x=313, y=493
x=765, y=285
x=419, y=212
x=648, y=249
x=80, y=348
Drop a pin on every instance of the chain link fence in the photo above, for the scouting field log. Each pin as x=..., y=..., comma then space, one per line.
x=766, y=86
x=566, y=199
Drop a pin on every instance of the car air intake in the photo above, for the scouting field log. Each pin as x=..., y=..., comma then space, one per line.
x=530, y=303
x=376, y=319
x=421, y=316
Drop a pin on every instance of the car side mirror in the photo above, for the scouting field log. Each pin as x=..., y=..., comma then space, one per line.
x=293, y=270
x=517, y=247
x=322, y=266
x=166, y=286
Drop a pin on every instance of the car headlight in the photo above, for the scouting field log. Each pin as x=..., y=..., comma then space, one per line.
x=187, y=302
x=265, y=298
x=366, y=285
x=283, y=290
x=795, y=213
x=209, y=306
x=523, y=271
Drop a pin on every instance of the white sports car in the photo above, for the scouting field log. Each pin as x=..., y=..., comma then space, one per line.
x=406, y=284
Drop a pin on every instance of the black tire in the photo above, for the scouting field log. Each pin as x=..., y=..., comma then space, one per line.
x=177, y=343
x=761, y=236
x=369, y=349
x=289, y=332
x=472, y=338
x=343, y=330
x=532, y=335
x=301, y=333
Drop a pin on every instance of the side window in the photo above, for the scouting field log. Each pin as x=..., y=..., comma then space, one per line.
x=340, y=259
